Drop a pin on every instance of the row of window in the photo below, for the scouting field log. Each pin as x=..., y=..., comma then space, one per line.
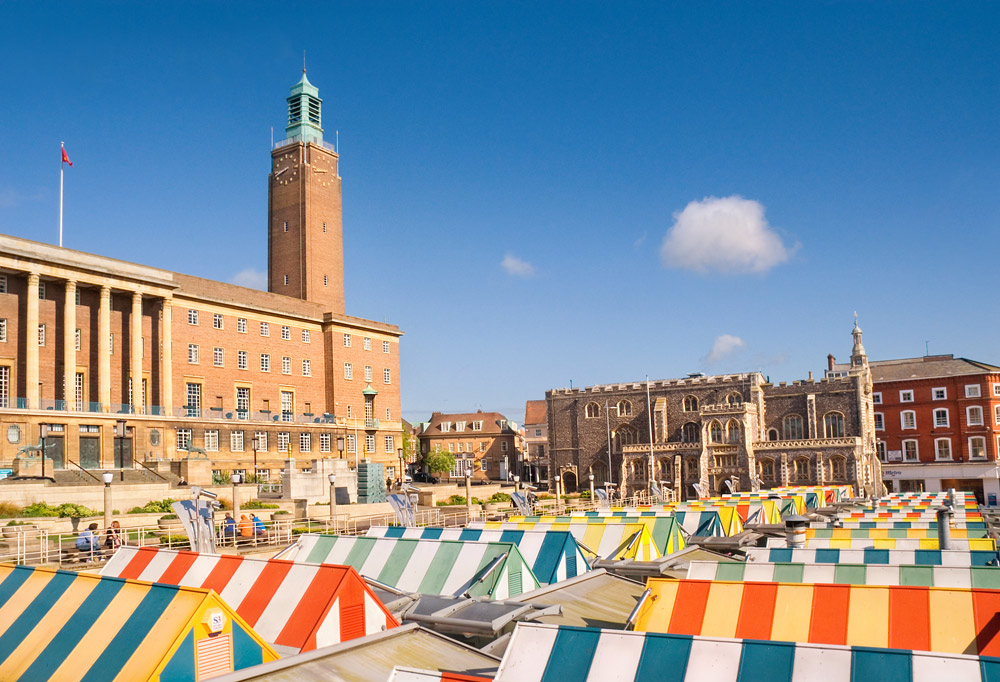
x=238, y=441
x=460, y=426
x=910, y=449
x=366, y=343
x=218, y=322
x=938, y=393
x=349, y=373
x=941, y=418
x=243, y=360
x=469, y=446
x=623, y=408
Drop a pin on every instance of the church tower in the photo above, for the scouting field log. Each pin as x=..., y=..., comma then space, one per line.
x=305, y=248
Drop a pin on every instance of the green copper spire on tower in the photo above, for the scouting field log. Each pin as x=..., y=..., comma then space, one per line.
x=305, y=118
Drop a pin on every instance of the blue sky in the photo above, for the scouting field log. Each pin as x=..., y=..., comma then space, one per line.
x=511, y=172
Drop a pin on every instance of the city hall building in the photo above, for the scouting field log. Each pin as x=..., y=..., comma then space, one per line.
x=193, y=364
x=708, y=435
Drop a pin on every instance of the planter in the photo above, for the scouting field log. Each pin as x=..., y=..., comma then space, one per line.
x=169, y=524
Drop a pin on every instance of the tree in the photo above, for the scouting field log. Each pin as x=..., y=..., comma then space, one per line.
x=438, y=460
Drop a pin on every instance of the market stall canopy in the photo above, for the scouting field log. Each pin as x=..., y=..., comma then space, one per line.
x=960, y=533
x=373, y=657
x=295, y=606
x=545, y=653
x=553, y=555
x=976, y=544
x=946, y=620
x=451, y=567
x=614, y=540
x=986, y=577
x=871, y=555
x=62, y=626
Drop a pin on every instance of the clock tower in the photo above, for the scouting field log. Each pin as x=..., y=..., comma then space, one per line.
x=305, y=250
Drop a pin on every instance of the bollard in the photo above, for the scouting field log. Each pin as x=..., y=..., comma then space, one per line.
x=944, y=527
x=795, y=531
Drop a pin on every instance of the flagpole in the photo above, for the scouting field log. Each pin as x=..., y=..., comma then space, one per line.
x=61, y=147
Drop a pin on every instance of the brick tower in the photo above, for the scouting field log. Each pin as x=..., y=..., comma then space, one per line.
x=305, y=249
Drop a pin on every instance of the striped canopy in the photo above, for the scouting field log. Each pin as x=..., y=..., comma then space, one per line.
x=715, y=521
x=788, y=503
x=610, y=540
x=552, y=555
x=894, y=557
x=862, y=533
x=910, y=515
x=664, y=527
x=923, y=618
x=292, y=605
x=709, y=522
x=547, y=653
x=896, y=523
x=749, y=511
x=986, y=577
x=449, y=567
x=983, y=544
x=62, y=626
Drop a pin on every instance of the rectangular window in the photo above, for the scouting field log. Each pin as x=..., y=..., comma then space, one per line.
x=477, y=426
x=486, y=465
x=41, y=335
x=349, y=411
x=460, y=447
x=974, y=415
x=307, y=368
x=324, y=442
x=390, y=444
x=879, y=422
x=910, y=451
x=326, y=280
x=3, y=331
x=941, y=418
x=3, y=284
x=193, y=405
x=236, y=441
x=77, y=296
x=265, y=329
x=260, y=441
x=977, y=447
x=217, y=321
x=287, y=406
x=880, y=449
x=193, y=353
x=939, y=393
x=908, y=419
x=445, y=427
x=942, y=448
x=996, y=390
x=241, y=325
x=183, y=439
x=368, y=372
x=211, y=440
x=460, y=426
x=218, y=356
x=41, y=291
x=972, y=391
x=351, y=444
x=283, y=438
x=368, y=343
x=78, y=391
x=387, y=379
x=111, y=343
x=996, y=415
x=286, y=333
x=77, y=340
x=906, y=396
x=4, y=386
x=242, y=359
x=348, y=370
x=503, y=446
x=877, y=398
x=388, y=413
x=347, y=340
x=192, y=316
x=265, y=362
x=242, y=402
x=305, y=336
x=305, y=442
x=369, y=443
x=385, y=346
x=286, y=365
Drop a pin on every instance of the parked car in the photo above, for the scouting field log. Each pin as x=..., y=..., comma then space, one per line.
x=421, y=477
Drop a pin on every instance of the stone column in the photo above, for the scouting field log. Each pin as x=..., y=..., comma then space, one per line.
x=135, y=352
x=31, y=343
x=166, y=363
x=69, y=346
x=104, y=350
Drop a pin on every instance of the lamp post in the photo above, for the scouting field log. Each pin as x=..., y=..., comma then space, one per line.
x=591, y=477
x=340, y=447
x=237, y=479
x=402, y=471
x=468, y=492
x=120, y=436
x=517, y=484
x=255, y=444
x=558, y=491
x=43, y=431
x=107, y=477
x=333, y=498
x=607, y=425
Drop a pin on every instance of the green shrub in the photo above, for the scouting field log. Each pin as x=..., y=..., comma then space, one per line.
x=176, y=541
x=257, y=504
x=453, y=500
x=9, y=510
x=18, y=523
x=585, y=495
x=154, y=507
x=65, y=510
x=281, y=512
x=168, y=517
x=499, y=497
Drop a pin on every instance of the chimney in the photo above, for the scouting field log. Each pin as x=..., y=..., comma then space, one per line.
x=830, y=361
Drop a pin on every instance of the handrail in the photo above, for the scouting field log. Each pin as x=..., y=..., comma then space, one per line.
x=155, y=473
x=84, y=470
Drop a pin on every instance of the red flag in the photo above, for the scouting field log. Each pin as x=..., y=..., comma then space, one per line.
x=65, y=159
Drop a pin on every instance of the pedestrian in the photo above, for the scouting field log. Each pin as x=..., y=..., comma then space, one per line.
x=245, y=526
x=229, y=526
x=87, y=542
x=258, y=526
x=113, y=537
x=182, y=482
x=388, y=483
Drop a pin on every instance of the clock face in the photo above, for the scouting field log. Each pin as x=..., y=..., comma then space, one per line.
x=285, y=169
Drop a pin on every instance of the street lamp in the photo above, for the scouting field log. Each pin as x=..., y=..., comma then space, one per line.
x=517, y=484
x=107, y=477
x=120, y=436
x=237, y=479
x=468, y=492
x=256, y=445
x=591, y=477
x=558, y=491
x=402, y=471
x=43, y=431
x=340, y=446
x=333, y=496
x=607, y=425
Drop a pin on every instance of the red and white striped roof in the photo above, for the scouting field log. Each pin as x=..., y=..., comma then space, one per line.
x=300, y=606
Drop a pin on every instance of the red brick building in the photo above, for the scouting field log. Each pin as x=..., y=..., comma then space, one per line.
x=937, y=421
x=486, y=441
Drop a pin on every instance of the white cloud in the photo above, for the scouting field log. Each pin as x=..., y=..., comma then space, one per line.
x=724, y=345
x=517, y=267
x=9, y=197
x=728, y=234
x=254, y=279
